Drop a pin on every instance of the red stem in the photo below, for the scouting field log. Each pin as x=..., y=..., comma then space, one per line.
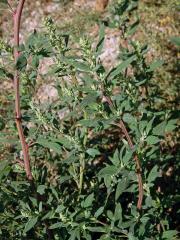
x=17, y=20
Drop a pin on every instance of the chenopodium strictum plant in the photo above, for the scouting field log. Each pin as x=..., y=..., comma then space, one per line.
x=89, y=149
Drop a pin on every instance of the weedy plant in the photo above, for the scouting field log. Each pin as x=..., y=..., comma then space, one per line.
x=97, y=154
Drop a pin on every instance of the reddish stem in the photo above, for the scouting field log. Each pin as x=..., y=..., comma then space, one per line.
x=138, y=166
x=17, y=20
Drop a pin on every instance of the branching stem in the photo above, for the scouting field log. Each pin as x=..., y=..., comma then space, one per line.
x=122, y=126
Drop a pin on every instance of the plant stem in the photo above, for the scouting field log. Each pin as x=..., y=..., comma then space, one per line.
x=82, y=167
x=17, y=20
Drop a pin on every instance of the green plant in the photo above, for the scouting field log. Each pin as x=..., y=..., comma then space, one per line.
x=86, y=148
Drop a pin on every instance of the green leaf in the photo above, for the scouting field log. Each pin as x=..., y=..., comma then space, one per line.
x=131, y=237
x=128, y=118
x=48, y=215
x=81, y=66
x=154, y=173
x=121, y=187
x=110, y=215
x=99, y=212
x=89, y=123
x=149, y=126
x=56, y=225
x=159, y=130
x=97, y=229
x=93, y=152
x=128, y=155
x=107, y=180
x=115, y=159
x=21, y=62
x=41, y=189
x=30, y=224
x=175, y=40
x=101, y=40
x=34, y=201
x=63, y=141
x=40, y=206
x=75, y=234
x=142, y=126
x=108, y=170
x=171, y=125
x=35, y=61
x=170, y=234
x=88, y=201
x=60, y=209
x=89, y=99
x=118, y=212
x=48, y=144
x=153, y=66
x=133, y=28
x=121, y=67
x=152, y=140
x=4, y=169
